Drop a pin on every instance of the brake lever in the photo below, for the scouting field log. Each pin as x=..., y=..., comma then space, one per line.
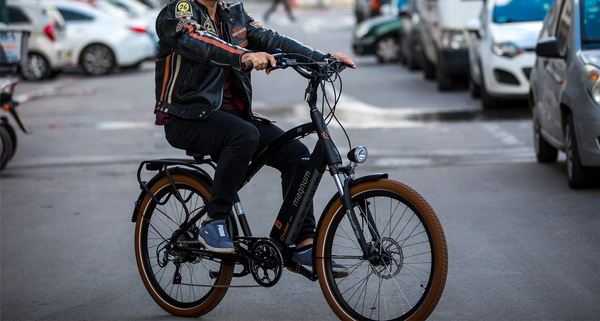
x=282, y=62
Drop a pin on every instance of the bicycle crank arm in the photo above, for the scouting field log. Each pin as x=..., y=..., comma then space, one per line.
x=303, y=271
x=235, y=258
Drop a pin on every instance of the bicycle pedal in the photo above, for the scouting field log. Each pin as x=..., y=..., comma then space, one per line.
x=302, y=270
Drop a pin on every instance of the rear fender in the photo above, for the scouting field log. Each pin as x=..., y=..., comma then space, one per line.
x=197, y=175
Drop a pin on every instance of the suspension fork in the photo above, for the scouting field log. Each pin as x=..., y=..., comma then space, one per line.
x=334, y=162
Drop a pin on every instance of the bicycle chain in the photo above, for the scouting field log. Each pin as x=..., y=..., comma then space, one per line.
x=223, y=286
x=215, y=286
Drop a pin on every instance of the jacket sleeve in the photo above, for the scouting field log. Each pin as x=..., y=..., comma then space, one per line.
x=268, y=40
x=195, y=38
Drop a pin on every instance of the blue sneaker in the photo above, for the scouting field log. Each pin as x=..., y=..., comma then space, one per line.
x=213, y=235
x=305, y=258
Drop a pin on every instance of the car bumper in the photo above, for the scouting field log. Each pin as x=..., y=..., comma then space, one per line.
x=587, y=127
x=54, y=52
x=508, y=77
x=134, y=49
x=364, y=46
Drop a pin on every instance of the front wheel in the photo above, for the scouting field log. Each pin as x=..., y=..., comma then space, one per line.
x=404, y=273
x=179, y=282
x=36, y=67
x=579, y=176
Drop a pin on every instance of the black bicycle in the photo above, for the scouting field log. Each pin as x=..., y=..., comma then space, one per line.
x=384, y=232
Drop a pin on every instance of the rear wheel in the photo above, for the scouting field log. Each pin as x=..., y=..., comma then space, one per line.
x=6, y=148
x=180, y=283
x=97, y=59
x=444, y=81
x=404, y=276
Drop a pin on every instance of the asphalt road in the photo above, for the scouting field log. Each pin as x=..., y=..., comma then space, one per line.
x=522, y=245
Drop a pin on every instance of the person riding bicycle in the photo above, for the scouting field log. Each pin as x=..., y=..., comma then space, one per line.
x=204, y=98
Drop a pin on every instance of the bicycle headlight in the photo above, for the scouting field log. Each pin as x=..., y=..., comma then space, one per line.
x=506, y=49
x=358, y=154
x=591, y=78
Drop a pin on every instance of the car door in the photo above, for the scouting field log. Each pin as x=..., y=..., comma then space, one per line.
x=555, y=75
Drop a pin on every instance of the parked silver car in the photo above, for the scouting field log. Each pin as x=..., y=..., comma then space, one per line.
x=47, y=55
x=565, y=89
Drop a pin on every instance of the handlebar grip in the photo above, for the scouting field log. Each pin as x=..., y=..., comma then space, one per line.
x=248, y=66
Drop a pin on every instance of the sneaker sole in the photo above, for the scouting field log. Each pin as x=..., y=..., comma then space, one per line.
x=216, y=249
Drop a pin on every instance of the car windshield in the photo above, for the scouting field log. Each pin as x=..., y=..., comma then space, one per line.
x=520, y=10
x=590, y=24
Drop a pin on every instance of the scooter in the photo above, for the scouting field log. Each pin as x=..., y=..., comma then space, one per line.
x=13, y=41
x=8, y=136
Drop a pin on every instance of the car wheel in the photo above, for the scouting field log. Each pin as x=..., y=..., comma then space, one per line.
x=474, y=89
x=487, y=102
x=412, y=60
x=387, y=49
x=428, y=69
x=97, y=59
x=444, y=81
x=544, y=152
x=578, y=175
x=36, y=67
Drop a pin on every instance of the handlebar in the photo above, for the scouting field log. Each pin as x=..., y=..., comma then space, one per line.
x=308, y=70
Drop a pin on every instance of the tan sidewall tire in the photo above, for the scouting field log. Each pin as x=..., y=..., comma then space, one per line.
x=437, y=235
x=226, y=270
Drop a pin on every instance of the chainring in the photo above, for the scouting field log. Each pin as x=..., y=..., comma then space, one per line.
x=268, y=272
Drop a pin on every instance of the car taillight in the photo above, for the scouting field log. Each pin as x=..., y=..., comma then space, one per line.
x=49, y=31
x=375, y=5
x=138, y=29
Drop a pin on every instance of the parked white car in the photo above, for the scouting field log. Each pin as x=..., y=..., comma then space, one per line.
x=502, y=49
x=135, y=9
x=47, y=55
x=99, y=41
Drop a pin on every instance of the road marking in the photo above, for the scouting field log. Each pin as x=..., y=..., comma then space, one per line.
x=498, y=132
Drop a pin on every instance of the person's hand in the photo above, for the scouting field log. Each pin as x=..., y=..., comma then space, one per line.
x=259, y=60
x=345, y=59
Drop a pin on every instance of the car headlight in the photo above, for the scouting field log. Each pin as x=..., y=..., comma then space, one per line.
x=362, y=30
x=506, y=49
x=591, y=78
x=454, y=39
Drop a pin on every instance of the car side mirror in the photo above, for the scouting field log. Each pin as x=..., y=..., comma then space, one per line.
x=548, y=48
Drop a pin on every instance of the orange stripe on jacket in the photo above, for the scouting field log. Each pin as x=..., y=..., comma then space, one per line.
x=213, y=42
x=162, y=93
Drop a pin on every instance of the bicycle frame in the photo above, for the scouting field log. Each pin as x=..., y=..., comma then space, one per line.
x=300, y=194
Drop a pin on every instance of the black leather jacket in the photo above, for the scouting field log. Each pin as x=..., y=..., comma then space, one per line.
x=190, y=57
